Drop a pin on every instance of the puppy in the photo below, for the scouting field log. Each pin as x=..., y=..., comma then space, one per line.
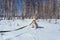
x=34, y=24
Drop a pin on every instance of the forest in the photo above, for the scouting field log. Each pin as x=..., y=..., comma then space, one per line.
x=41, y=9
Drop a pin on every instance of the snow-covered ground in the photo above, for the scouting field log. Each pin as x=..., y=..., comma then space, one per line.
x=46, y=30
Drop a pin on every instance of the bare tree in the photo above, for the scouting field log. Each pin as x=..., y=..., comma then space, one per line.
x=23, y=8
x=10, y=8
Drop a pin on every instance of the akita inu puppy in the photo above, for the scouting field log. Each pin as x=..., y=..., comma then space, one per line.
x=34, y=24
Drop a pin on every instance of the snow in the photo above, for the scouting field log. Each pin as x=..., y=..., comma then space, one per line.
x=48, y=31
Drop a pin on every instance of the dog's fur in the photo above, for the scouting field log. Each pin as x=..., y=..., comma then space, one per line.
x=34, y=24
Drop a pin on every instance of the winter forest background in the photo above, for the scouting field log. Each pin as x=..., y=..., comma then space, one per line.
x=45, y=9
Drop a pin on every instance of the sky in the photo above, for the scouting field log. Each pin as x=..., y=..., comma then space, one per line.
x=19, y=7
